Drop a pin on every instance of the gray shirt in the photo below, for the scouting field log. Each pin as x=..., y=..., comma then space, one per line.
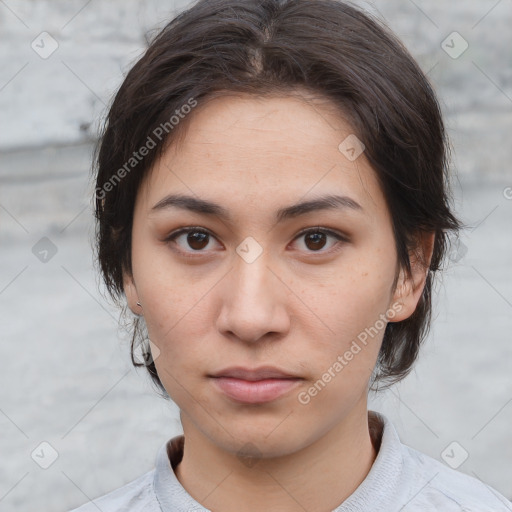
x=400, y=479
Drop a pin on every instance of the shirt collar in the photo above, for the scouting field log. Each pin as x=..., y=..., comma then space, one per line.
x=378, y=488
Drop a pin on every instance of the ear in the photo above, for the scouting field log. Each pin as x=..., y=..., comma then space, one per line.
x=130, y=291
x=409, y=288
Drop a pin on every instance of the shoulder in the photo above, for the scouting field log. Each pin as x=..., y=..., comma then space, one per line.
x=434, y=486
x=403, y=478
x=136, y=496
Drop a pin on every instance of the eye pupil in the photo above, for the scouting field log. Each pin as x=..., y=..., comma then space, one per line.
x=196, y=239
x=317, y=238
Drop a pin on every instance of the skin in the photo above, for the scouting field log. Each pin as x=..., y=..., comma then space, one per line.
x=297, y=306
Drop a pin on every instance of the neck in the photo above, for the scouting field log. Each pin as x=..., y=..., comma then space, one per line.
x=317, y=478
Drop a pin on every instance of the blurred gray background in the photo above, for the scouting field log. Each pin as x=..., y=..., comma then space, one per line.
x=66, y=376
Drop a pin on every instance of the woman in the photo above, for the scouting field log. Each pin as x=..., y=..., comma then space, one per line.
x=272, y=204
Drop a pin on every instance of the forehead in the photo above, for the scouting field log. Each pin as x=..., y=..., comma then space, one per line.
x=273, y=150
x=267, y=127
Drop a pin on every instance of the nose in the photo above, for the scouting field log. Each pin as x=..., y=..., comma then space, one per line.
x=253, y=302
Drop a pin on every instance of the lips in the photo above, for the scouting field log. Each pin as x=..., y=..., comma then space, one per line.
x=261, y=373
x=254, y=386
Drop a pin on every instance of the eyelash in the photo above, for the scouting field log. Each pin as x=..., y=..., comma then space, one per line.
x=317, y=229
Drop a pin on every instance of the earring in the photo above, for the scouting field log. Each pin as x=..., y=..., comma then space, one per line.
x=139, y=304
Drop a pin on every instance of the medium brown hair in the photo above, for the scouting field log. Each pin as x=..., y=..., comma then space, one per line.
x=328, y=47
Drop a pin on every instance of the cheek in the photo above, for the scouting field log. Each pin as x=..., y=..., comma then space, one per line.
x=341, y=364
x=351, y=300
x=350, y=318
x=174, y=303
x=168, y=291
x=176, y=319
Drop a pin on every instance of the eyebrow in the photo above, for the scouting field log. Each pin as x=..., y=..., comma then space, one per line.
x=205, y=207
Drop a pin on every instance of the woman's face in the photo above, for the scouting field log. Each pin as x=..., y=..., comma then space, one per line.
x=256, y=290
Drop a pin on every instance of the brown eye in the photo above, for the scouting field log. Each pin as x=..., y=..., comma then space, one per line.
x=315, y=240
x=190, y=240
x=196, y=240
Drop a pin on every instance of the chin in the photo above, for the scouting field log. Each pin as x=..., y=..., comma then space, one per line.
x=253, y=439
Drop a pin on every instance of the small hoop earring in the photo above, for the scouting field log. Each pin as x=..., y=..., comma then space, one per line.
x=139, y=304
